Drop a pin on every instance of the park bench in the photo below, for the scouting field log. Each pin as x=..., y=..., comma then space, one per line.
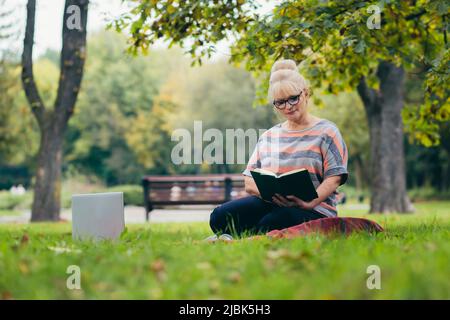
x=211, y=189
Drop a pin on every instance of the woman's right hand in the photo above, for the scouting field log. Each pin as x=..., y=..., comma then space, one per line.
x=250, y=187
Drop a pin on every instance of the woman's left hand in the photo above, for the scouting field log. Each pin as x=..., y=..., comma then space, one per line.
x=293, y=201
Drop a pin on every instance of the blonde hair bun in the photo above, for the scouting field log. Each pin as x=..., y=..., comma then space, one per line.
x=285, y=79
x=284, y=65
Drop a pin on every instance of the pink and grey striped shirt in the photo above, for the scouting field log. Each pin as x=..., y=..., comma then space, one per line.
x=320, y=149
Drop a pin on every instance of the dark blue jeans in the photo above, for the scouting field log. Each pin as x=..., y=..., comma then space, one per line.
x=252, y=215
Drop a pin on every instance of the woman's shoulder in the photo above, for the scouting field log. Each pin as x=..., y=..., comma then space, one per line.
x=270, y=131
x=328, y=127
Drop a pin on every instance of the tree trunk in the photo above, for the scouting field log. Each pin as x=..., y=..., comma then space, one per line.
x=387, y=160
x=445, y=142
x=47, y=187
x=53, y=122
x=359, y=174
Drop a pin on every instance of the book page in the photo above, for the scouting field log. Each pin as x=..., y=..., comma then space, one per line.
x=291, y=172
x=265, y=172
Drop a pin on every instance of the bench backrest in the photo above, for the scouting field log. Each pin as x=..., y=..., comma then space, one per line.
x=198, y=189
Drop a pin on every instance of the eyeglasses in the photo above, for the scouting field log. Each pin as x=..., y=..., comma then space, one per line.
x=292, y=100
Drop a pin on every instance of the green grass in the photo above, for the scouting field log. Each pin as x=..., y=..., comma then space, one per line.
x=7, y=212
x=164, y=261
x=14, y=202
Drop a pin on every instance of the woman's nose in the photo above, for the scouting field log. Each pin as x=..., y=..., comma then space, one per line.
x=289, y=107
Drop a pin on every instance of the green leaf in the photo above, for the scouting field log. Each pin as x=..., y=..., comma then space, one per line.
x=360, y=47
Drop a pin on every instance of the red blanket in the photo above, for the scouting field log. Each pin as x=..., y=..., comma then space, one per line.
x=327, y=226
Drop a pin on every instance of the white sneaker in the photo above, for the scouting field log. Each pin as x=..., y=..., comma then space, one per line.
x=212, y=238
x=225, y=237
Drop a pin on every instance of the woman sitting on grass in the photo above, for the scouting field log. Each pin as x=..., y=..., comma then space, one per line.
x=302, y=141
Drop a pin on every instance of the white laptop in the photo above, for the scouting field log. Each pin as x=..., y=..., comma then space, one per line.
x=97, y=216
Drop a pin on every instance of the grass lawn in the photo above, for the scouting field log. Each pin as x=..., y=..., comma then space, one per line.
x=6, y=212
x=163, y=261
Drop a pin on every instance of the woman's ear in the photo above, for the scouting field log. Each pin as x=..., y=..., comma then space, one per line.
x=309, y=92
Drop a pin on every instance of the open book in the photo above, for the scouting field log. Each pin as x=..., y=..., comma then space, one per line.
x=296, y=182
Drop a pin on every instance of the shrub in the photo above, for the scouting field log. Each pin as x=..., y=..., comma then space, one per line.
x=132, y=194
x=9, y=201
x=428, y=193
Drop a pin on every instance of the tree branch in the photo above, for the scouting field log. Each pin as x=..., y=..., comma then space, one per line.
x=367, y=94
x=415, y=15
x=73, y=56
x=31, y=91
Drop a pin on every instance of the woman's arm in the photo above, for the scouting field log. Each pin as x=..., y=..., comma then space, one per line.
x=250, y=186
x=327, y=187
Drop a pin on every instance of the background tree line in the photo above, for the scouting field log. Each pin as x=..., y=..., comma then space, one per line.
x=129, y=107
x=342, y=46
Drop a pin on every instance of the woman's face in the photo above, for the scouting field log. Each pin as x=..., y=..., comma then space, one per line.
x=292, y=106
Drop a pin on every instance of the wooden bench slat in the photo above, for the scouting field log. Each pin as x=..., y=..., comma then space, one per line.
x=191, y=189
x=184, y=178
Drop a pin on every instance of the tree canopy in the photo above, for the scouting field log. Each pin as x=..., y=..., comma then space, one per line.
x=118, y=138
x=331, y=39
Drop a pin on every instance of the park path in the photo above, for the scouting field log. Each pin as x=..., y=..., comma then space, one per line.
x=135, y=214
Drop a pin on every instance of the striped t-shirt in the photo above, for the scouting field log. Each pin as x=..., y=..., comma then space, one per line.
x=320, y=149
